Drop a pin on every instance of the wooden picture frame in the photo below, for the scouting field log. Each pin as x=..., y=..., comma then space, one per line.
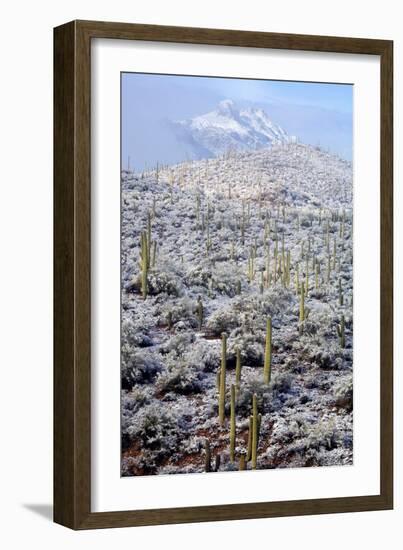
x=72, y=270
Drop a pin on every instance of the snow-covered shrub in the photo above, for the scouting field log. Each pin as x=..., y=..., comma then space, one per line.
x=251, y=345
x=144, y=463
x=222, y=320
x=328, y=356
x=204, y=355
x=181, y=310
x=135, y=331
x=156, y=426
x=162, y=281
x=225, y=278
x=343, y=394
x=177, y=345
x=322, y=434
x=254, y=384
x=139, y=366
x=180, y=379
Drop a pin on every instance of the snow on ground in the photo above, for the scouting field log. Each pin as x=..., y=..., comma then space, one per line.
x=215, y=223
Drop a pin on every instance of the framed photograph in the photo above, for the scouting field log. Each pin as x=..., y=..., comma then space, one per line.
x=223, y=275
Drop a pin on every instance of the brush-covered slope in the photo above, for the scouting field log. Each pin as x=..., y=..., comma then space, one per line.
x=248, y=236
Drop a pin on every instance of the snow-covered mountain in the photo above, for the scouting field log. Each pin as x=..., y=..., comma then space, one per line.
x=227, y=128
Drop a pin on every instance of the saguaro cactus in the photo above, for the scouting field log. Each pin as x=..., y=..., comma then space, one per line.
x=267, y=353
x=221, y=403
x=255, y=431
x=144, y=264
x=307, y=276
x=200, y=312
x=207, y=456
x=238, y=368
x=341, y=296
x=232, y=425
x=218, y=379
x=148, y=238
x=154, y=258
x=341, y=332
x=302, y=304
x=267, y=271
x=249, y=453
x=297, y=278
x=334, y=253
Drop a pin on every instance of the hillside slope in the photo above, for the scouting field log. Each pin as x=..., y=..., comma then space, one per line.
x=232, y=242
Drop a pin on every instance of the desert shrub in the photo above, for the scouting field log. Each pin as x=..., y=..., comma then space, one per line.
x=322, y=434
x=131, y=402
x=343, y=394
x=198, y=275
x=268, y=396
x=222, y=320
x=139, y=366
x=182, y=310
x=204, y=355
x=251, y=346
x=177, y=345
x=145, y=463
x=328, y=356
x=180, y=379
x=163, y=282
x=225, y=278
x=155, y=426
x=135, y=331
x=193, y=445
x=276, y=300
x=286, y=430
x=280, y=382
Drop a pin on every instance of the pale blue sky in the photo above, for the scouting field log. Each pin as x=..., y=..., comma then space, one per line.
x=317, y=113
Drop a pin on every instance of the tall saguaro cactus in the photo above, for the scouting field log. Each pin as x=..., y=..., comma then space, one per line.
x=249, y=448
x=232, y=426
x=238, y=367
x=207, y=456
x=255, y=431
x=341, y=332
x=144, y=262
x=148, y=238
x=302, y=304
x=341, y=296
x=221, y=403
x=267, y=353
x=200, y=312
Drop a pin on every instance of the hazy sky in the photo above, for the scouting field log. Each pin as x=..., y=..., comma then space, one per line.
x=319, y=114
